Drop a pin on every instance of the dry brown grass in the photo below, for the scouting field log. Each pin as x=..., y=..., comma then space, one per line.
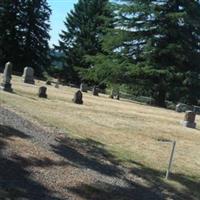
x=129, y=130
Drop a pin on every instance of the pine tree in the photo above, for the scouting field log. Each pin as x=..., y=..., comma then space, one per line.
x=9, y=32
x=24, y=27
x=85, y=26
x=157, y=45
x=36, y=28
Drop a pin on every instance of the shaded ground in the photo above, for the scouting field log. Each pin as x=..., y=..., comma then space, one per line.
x=36, y=163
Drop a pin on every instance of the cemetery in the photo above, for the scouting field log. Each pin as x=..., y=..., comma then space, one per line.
x=99, y=100
x=131, y=132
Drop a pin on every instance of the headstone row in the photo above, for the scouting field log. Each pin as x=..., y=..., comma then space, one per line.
x=28, y=77
x=189, y=119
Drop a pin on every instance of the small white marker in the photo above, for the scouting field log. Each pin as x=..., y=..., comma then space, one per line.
x=171, y=159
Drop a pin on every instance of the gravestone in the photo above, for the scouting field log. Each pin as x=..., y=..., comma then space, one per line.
x=78, y=97
x=57, y=85
x=114, y=93
x=181, y=107
x=95, y=91
x=118, y=95
x=189, y=119
x=48, y=82
x=196, y=109
x=42, y=92
x=7, y=76
x=83, y=87
x=28, y=75
x=111, y=94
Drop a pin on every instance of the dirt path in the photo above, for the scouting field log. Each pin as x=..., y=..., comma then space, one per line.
x=37, y=164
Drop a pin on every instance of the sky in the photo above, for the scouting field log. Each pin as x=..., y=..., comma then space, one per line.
x=60, y=8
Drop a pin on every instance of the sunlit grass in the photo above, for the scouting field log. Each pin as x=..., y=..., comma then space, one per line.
x=132, y=132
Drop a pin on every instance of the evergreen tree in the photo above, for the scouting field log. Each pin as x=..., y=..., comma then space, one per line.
x=85, y=26
x=9, y=32
x=157, y=46
x=24, y=26
x=36, y=28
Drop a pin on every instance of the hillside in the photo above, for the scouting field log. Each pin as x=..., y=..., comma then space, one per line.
x=132, y=133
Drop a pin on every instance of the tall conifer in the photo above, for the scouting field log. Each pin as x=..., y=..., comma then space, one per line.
x=24, y=34
x=36, y=28
x=157, y=46
x=85, y=26
x=9, y=32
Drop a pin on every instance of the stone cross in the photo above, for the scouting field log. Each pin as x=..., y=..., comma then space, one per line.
x=42, y=92
x=95, y=91
x=28, y=75
x=7, y=76
x=83, y=87
x=78, y=97
x=189, y=119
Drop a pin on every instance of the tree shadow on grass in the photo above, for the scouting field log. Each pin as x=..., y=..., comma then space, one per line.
x=15, y=179
x=105, y=191
x=157, y=180
x=7, y=132
x=157, y=189
x=87, y=154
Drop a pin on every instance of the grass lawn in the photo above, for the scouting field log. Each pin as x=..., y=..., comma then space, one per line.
x=132, y=132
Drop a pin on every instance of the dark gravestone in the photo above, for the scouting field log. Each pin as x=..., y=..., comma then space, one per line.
x=48, y=82
x=7, y=76
x=189, y=119
x=95, y=91
x=78, y=97
x=118, y=95
x=42, y=92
